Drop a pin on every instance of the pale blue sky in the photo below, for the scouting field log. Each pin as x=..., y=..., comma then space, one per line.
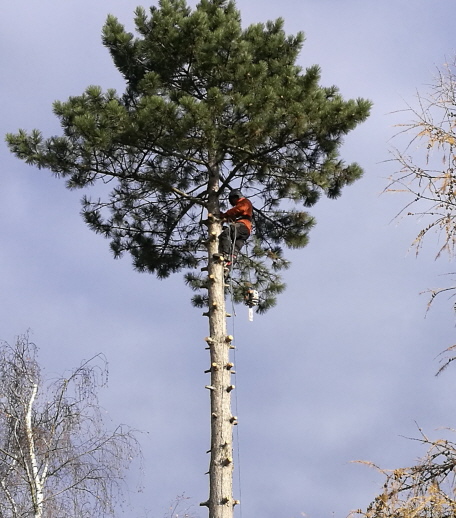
x=340, y=370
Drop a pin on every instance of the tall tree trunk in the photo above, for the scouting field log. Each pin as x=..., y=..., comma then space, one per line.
x=220, y=501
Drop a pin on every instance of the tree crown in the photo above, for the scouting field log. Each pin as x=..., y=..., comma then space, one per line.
x=208, y=106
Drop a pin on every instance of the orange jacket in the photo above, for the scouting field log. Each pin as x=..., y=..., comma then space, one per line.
x=242, y=212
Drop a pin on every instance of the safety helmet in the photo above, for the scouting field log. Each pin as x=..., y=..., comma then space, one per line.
x=235, y=193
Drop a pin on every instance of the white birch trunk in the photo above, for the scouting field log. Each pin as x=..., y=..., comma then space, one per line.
x=36, y=484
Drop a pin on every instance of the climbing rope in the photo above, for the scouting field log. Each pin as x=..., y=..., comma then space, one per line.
x=238, y=449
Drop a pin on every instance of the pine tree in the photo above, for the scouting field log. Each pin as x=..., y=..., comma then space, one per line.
x=208, y=106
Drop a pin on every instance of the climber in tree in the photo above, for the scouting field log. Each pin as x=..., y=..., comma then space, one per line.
x=233, y=237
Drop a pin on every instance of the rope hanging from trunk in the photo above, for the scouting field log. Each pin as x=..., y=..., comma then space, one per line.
x=236, y=381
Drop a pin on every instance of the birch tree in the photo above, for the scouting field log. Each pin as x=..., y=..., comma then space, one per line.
x=56, y=457
x=209, y=106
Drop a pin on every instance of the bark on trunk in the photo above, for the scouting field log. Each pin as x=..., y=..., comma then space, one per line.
x=220, y=502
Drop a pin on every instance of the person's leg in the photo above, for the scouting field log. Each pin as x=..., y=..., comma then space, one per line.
x=241, y=235
x=225, y=243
